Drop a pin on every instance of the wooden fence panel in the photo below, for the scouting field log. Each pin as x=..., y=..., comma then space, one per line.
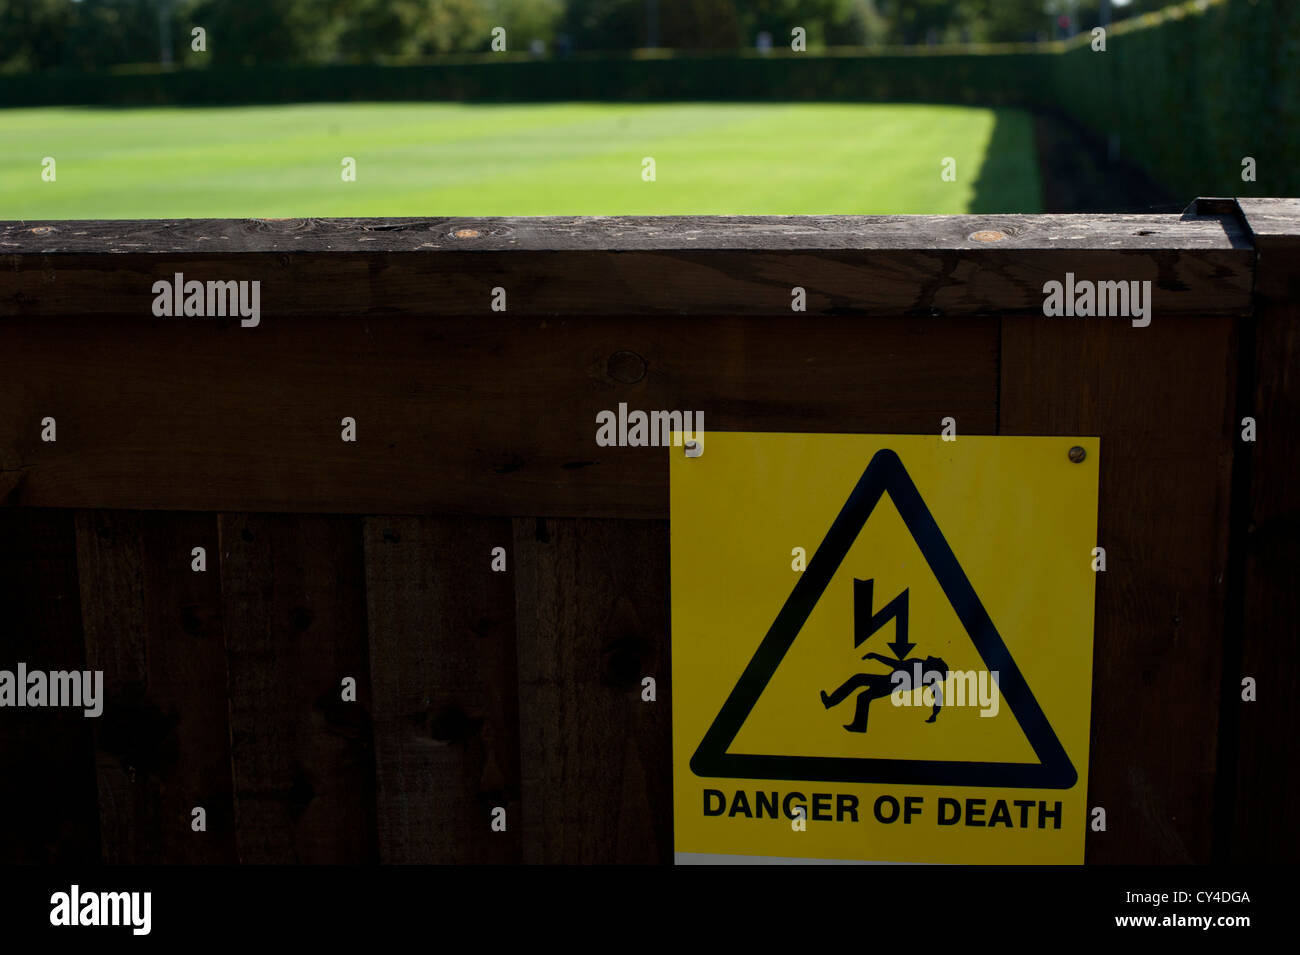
x=371, y=560
x=592, y=608
x=454, y=415
x=153, y=625
x=1259, y=825
x=47, y=788
x=442, y=659
x=295, y=618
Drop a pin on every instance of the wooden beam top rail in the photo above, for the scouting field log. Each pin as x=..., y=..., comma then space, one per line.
x=867, y=266
x=625, y=234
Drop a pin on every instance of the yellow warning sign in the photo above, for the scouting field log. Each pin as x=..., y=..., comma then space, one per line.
x=882, y=647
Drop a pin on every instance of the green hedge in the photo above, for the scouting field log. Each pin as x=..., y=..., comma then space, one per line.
x=1186, y=93
x=973, y=78
x=1188, y=97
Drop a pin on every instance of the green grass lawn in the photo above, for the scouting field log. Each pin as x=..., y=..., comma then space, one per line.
x=418, y=159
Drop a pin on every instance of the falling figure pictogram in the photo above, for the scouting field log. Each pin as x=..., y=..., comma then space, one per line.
x=878, y=685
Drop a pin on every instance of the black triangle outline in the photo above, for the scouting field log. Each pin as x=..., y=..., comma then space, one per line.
x=884, y=474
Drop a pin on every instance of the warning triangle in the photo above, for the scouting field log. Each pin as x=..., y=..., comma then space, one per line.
x=885, y=474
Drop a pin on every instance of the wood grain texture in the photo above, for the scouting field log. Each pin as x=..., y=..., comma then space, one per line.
x=982, y=278
x=153, y=625
x=295, y=619
x=1271, y=220
x=592, y=611
x=615, y=233
x=630, y=265
x=1160, y=398
x=1265, y=777
x=47, y=786
x=455, y=416
x=442, y=663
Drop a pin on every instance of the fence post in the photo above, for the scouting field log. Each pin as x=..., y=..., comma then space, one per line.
x=1263, y=641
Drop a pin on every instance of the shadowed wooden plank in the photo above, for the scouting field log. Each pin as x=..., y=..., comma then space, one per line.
x=442, y=663
x=978, y=278
x=47, y=786
x=592, y=610
x=295, y=619
x=153, y=625
x=461, y=416
x=1264, y=776
x=1160, y=399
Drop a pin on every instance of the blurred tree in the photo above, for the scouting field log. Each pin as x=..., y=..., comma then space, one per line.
x=527, y=20
x=1086, y=14
x=914, y=22
x=856, y=23
x=718, y=24
x=93, y=34
x=700, y=25
x=267, y=31
x=83, y=35
x=1010, y=21
x=375, y=28
x=105, y=32
x=607, y=24
x=32, y=33
x=779, y=17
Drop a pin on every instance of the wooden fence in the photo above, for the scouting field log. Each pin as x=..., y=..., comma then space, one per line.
x=475, y=427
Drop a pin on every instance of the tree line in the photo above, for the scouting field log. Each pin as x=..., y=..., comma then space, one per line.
x=38, y=35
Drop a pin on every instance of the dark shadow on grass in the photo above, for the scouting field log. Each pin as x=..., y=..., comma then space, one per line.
x=1063, y=166
x=1079, y=174
x=1008, y=181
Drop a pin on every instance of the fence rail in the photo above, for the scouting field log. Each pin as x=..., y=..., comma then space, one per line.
x=475, y=429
